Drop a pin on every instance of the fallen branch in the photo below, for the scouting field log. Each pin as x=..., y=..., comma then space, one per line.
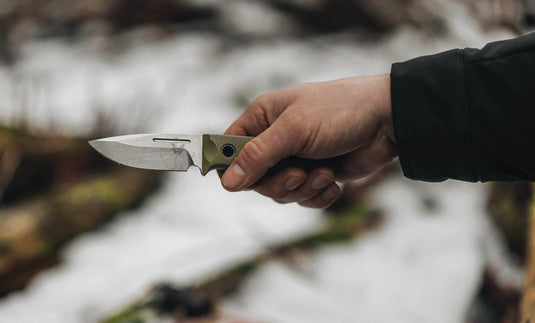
x=33, y=230
x=52, y=189
x=199, y=299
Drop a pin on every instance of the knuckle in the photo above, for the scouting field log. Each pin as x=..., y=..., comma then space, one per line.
x=252, y=153
x=262, y=100
x=296, y=117
x=273, y=191
x=305, y=195
x=280, y=195
x=306, y=204
x=262, y=104
x=281, y=201
x=299, y=112
x=308, y=201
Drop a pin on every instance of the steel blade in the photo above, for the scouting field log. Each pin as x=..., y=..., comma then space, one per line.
x=153, y=151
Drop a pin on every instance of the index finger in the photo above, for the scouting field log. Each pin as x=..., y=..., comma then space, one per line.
x=260, y=115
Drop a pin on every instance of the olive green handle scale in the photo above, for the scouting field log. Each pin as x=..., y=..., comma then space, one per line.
x=219, y=151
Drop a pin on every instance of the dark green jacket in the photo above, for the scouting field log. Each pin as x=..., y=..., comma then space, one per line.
x=467, y=114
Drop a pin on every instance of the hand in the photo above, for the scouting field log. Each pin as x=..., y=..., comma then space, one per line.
x=350, y=118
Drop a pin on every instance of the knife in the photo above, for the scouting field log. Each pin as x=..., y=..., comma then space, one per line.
x=180, y=152
x=172, y=151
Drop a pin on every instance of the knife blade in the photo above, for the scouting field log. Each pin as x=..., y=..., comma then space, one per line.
x=172, y=151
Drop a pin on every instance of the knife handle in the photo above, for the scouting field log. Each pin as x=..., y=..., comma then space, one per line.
x=219, y=151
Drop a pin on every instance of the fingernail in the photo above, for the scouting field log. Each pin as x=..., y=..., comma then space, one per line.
x=233, y=177
x=293, y=182
x=321, y=181
x=329, y=194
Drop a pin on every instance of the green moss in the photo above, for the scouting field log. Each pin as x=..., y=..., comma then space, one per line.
x=240, y=270
x=134, y=314
x=103, y=189
x=244, y=268
x=228, y=281
x=10, y=131
x=10, y=135
x=342, y=227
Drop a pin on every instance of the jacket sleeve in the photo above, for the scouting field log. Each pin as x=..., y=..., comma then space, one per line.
x=467, y=114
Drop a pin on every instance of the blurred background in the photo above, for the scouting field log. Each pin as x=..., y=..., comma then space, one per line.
x=86, y=240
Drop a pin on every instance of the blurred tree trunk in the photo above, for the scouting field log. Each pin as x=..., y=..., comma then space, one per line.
x=528, y=297
x=509, y=206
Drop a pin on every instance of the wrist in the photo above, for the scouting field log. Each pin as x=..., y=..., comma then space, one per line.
x=384, y=106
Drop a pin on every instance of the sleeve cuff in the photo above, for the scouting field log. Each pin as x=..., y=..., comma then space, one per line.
x=430, y=117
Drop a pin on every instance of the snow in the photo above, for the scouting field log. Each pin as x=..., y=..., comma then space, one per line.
x=174, y=237
x=418, y=267
x=421, y=266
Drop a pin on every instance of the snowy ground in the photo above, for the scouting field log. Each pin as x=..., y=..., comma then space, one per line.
x=422, y=266
x=418, y=267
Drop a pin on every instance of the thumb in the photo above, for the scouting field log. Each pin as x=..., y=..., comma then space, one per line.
x=256, y=157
